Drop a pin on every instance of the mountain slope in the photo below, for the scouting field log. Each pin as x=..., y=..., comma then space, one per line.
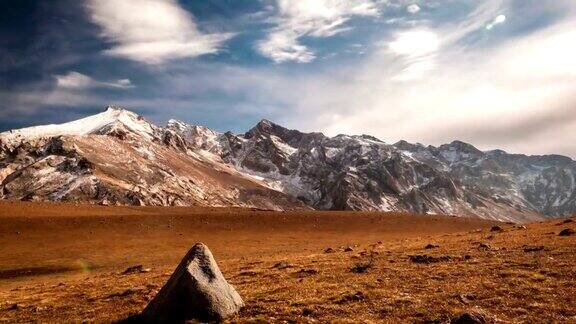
x=118, y=157
x=363, y=173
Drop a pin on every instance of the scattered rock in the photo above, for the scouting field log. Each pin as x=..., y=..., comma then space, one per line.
x=484, y=246
x=329, y=250
x=369, y=253
x=348, y=249
x=307, y=312
x=467, y=298
x=431, y=246
x=248, y=273
x=124, y=293
x=566, y=221
x=496, y=228
x=14, y=307
x=361, y=267
x=533, y=248
x=521, y=227
x=196, y=290
x=136, y=269
x=427, y=259
x=467, y=257
x=473, y=316
x=358, y=296
x=566, y=232
x=308, y=271
x=282, y=265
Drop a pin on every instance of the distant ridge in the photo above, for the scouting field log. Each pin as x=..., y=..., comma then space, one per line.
x=117, y=157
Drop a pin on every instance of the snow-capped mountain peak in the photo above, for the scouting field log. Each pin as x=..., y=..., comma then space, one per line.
x=113, y=118
x=117, y=157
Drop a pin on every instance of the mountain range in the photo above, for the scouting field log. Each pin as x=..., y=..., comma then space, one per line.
x=117, y=157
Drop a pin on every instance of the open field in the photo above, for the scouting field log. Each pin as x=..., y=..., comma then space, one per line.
x=63, y=263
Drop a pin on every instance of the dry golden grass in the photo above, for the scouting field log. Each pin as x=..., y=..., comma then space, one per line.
x=83, y=259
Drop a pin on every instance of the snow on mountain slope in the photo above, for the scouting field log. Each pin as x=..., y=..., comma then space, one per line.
x=199, y=136
x=118, y=157
x=113, y=117
x=364, y=173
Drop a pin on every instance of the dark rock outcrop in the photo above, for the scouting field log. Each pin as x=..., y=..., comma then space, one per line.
x=567, y=232
x=427, y=259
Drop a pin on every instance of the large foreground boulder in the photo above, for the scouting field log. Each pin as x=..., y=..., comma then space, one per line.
x=197, y=290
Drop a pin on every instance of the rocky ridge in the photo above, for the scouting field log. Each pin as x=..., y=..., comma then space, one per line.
x=118, y=157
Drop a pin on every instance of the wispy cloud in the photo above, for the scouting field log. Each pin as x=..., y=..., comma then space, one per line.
x=151, y=31
x=313, y=18
x=283, y=46
x=418, y=47
x=432, y=76
x=70, y=90
x=490, y=95
x=485, y=96
x=76, y=80
x=476, y=20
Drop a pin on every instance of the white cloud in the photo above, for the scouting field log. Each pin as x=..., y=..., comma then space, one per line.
x=476, y=20
x=151, y=31
x=426, y=85
x=413, y=8
x=72, y=89
x=517, y=94
x=282, y=46
x=314, y=18
x=519, y=97
x=75, y=80
x=418, y=49
x=498, y=20
x=415, y=43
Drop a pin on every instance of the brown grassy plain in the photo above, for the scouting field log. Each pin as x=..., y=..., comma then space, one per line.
x=63, y=263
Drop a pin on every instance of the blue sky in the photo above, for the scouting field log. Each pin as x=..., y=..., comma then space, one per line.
x=495, y=73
